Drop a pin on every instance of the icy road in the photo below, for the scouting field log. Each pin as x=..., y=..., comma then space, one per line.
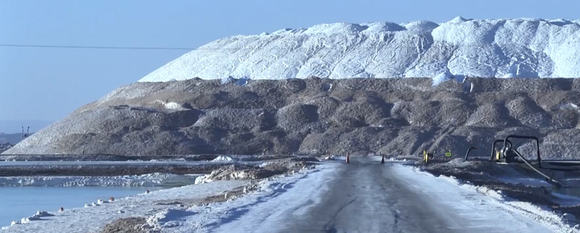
x=365, y=196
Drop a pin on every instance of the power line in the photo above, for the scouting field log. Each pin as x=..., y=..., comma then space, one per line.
x=91, y=47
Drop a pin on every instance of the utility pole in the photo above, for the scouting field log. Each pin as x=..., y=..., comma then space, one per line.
x=23, y=134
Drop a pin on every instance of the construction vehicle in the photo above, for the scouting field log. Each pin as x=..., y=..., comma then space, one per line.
x=508, y=153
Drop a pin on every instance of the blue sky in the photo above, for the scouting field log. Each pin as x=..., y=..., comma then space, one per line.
x=48, y=83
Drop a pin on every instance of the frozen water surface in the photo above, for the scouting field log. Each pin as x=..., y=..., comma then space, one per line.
x=19, y=202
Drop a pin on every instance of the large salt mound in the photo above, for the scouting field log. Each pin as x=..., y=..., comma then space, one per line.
x=477, y=48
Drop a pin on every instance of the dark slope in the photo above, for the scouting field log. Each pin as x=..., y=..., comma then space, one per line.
x=316, y=116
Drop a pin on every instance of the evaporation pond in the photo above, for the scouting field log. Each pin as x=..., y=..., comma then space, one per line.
x=19, y=202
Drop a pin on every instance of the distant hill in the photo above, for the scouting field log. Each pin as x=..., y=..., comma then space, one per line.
x=15, y=126
x=12, y=138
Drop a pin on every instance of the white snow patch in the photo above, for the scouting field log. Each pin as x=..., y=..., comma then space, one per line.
x=203, y=179
x=442, y=77
x=569, y=106
x=171, y=105
x=223, y=158
x=174, y=106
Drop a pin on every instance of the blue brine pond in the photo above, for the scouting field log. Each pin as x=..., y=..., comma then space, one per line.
x=19, y=202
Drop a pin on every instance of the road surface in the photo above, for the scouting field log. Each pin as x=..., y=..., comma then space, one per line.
x=366, y=196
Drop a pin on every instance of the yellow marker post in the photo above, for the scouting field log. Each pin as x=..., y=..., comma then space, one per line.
x=425, y=156
x=448, y=154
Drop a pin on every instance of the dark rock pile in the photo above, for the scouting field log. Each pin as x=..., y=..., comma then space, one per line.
x=318, y=116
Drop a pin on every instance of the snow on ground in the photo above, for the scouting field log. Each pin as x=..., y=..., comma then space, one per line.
x=269, y=209
x=274, y=198
x=93, y=218
x=279, y=199
x=481, y=206
x=459, y=47
x=223, y=158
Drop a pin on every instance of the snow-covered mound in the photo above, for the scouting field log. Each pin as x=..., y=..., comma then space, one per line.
x=460, y=47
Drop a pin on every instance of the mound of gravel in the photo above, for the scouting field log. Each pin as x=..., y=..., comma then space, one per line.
x=563, y=143
x=294, y=117
x=265, y=170
x=317, y=116
x=493, y=115
x=527, y=112
x=127, y=225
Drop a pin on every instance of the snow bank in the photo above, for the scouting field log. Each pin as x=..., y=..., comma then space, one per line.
x=468, y=201
x=480, y=48
x=256, y=210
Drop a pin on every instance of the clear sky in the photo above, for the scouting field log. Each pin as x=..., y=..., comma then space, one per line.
x=48, y=83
